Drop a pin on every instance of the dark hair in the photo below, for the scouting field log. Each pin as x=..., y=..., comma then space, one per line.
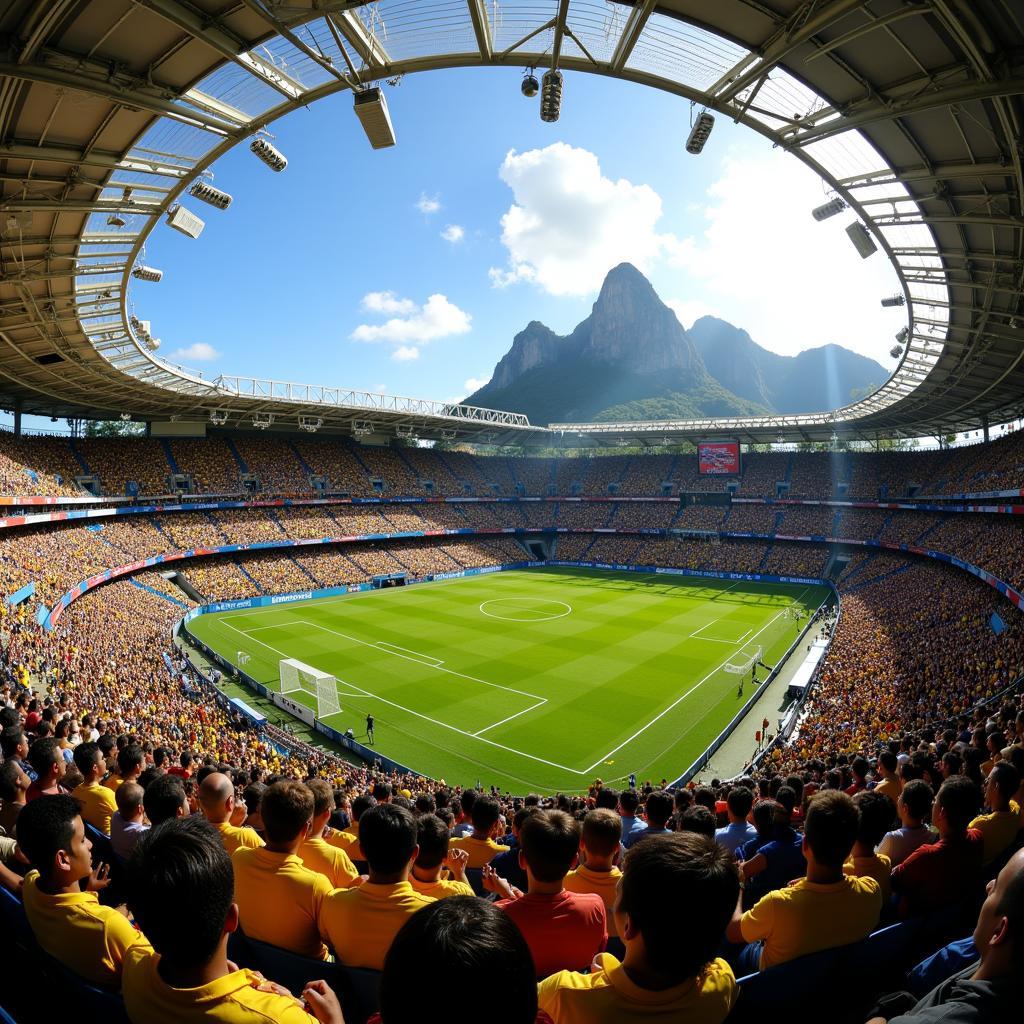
x=629, y=801
x=180, y=889
x=432, y=837
x=550, y=841
x=876, y=815
x=323, y=796
x=43, y=754
x=764, y=817
x=959, y=799
x=129, y=758
x=917, y=798
x=1007, y=778
x=670, y=880
x=164, y=796
x=740, y=800
x=606, y=798
x=10, y=738
x=831, y=827
x=361, y=805
x=469, y=944
x=9, y=780
x=659, y=809
x=85, y=756
x=486, y=811
x=387, y=836
x=253, y=796
x=698, y=819
x=287, y=808
x=425, y=804
x=602, y=832
x=46, y=825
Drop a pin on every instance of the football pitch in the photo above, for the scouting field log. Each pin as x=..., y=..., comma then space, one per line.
x=537, y=680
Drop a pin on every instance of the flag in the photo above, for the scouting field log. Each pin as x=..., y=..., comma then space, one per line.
x=997, y=624
x=609, y=762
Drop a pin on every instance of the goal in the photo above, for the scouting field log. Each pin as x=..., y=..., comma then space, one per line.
x=295, y=675
x=743, y=662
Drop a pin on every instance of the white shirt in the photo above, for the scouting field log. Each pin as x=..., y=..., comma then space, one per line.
x=125, y=834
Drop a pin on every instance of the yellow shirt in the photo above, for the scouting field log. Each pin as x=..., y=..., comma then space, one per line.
x=441, y=888
x=878, y=867
x=232, y=999
x=279, y=900
x=998, y=830
x=360, y=923
x=87, y=938
x=607, y=996
x=808, y=916
x=112, y=782
x=98, y=805
x=604, y=883
x=481, y=851
x=891, y=787
x=235, y=837
x=318, y=855
x=346, y=841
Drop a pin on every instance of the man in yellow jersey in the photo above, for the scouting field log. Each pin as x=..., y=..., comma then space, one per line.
x=316, y=853
x=599, y=850
x=822, y=910
x=217, y=802
x=279, y=899
x=130, y=762
x=60, y=894
x=480, y=844
x=1000, y=826
x=434, y=856
x=98, y=803
x=669, y=972
x=360, y=922
x=180, y=886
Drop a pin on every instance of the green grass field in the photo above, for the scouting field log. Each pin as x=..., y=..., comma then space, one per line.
x=535, y=680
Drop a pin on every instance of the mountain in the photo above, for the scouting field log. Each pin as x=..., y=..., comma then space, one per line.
x=631, y=359
x=816, y=380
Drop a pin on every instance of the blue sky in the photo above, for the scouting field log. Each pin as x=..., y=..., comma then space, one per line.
x=305, y=263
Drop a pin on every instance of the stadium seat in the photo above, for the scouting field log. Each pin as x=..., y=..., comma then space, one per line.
x=813, y=979
x=5, y=1017
x=89, y=1001
x=15, y=922
x=358, y=990
x=475, y=878
x=881, y=960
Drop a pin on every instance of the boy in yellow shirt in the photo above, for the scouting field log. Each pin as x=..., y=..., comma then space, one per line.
x=599, y=850
x=98, y=803
x=480, y=845
x=319, y=855
x=669, y=972
x=1000, y=826
x=876, y=815
x=180, y=883
x=67, y=919
x=434, y=856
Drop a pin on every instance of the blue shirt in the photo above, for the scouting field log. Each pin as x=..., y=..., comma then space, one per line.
x=632, y=826
x=785, y=858
x=733, y=836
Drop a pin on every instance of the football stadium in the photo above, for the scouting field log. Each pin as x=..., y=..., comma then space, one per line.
x=695, y=643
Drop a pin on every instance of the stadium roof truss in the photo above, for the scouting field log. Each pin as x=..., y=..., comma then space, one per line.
x=910, y=110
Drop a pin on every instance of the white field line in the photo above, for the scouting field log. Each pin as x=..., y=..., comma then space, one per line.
x=427, y=659
x=427, y=718
x=510, y=717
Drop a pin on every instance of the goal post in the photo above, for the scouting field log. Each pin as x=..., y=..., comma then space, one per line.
x=743, y=661
x=296, y=675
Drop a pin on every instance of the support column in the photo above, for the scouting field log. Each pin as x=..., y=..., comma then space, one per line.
x=984, y=427
x=17, y=417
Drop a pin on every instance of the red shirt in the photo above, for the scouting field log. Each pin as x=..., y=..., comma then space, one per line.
x=564, y=931
x=32, y=720
x=182, y=773
x=938, y=874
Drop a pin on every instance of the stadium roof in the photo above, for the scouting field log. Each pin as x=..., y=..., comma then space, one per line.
x=109, y=110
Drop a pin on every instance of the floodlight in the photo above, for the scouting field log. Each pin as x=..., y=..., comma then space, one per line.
x=362, y=428
x=269, y=154
x=115, y=220
x=144, y=273
x=372, y=110
x=896, y=351
x=529, y=85
x=862, y=241
x=311, y=424
x=699, y=132
x=262, y=420
x=829, y=209
x=404, y=430
x=218, y=417
x=894, y=300
x=206, y=193
x=903, y=335
x=185, y=221
x=151, y=343
x=551, y=96
x=449, y=435
x=126, y=416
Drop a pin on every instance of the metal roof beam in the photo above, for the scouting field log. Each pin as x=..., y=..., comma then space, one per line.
x=133, y=206
x=482, y=28
x=639, y=15
x=348, y=23
x=940, y=172
x=91, y=158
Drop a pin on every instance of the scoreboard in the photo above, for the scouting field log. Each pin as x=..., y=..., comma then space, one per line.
x=719, y=458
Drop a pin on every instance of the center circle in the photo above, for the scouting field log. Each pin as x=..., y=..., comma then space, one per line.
x=525, y=609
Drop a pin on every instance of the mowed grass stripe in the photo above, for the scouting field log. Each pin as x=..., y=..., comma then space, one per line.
x=606, y=670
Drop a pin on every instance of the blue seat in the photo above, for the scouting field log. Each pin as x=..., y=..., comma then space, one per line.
x=358, y=990
x=814, y=979
x=5, y=1017
x=284, y=967
x=475, y=878
x=16, y=925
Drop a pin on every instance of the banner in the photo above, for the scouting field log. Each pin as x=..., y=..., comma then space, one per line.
x=997, y=624
x=300, y=711
x=22, y=594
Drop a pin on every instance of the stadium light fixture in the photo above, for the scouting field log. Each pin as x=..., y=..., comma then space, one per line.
x=894, y=300
x=896, y=351
x=206, y=193
x=448, y=435
x=115, y=220
x=262, y=420
x=372, y=110
x=829, y=209
x=904, y=333
x=700, y=132
x=404, y=430
x=862, y=241
x=362, y=428
x=551, y=95
x=143, y=273
x=529, y=86
x=126, y=416
x=185, y=221
x=218, y=417
x=311, y=424
x=269, y=154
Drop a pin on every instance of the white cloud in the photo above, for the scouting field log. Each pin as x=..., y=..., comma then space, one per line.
x=688, y=313
x=200, y=352
x=474, y=384
x=428, y=204
x=791, y=282
x=436, y=318
x=388, y=303
x=569, y=224
x=405, y=353
x=453, y=233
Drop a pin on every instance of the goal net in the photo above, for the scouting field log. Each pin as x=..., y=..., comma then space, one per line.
x=295, y=675
x=743, y=662
x=242, y=658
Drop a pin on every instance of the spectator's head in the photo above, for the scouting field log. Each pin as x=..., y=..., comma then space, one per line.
x=432, y=839
x=361, y=805
x=216, y=798
x=130, y=761
x=764, y=818
x=887, y=763
x=165, y=799
x=48, y=762
x=181, y=891
x=550, y=841
x=287, y=809
x=956, y=803
x=129, y=798
x=669, y=879
x=485, y=815
x=14, y=782
x=323, y=803
x=629, y=801
x=607, y=798
x=915, y=802
x=876, y=814
x=1003, y=781
x=658, y=809
x=51, y=834
x=388, y=838
x=602, y=833
x=382, y=792
x=830, y=830
x=739, y=801
x=999, y=935
x=698, y=819
x=14, y=742
x=471, y=946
